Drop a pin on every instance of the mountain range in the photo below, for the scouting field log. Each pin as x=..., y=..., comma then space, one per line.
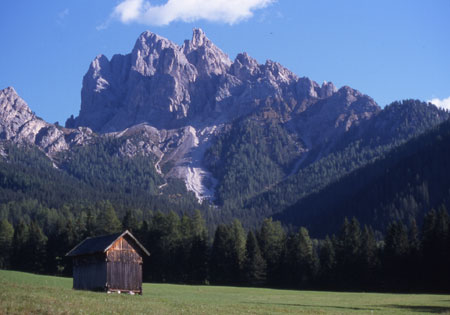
x=249, y=140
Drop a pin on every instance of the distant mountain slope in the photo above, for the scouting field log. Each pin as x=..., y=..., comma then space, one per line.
x=322, y=165
x=402, y=185
x=191, y=94
x=177, y=125
x=86, y=176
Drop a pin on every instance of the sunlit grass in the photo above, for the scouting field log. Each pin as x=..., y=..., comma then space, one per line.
x=24, y=293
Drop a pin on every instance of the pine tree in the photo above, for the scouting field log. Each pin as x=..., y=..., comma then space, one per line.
x=130, y=222
x=327, y=259
x=54, y=253
x=429, y=247
x=306, y=260
x=198, y=259
x=238, y=249
x=6, y=239
x=107, y=221
x=369, y=257
x=220, y=262
x=254, y=265
x=396, y=250
x=35, y=249
x=199, y=252
x=271, y=239
x=164, y=241
x=435, y=255
x=348, y=254
x=20, y=238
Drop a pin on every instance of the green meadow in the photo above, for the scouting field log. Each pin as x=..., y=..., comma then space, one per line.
x=23, y=293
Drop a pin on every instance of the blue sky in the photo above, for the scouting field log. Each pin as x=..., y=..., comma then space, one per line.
x=390, y=50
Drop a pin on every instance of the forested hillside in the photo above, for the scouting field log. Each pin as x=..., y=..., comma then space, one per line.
x=31, y=186
x=401, y=186
x=361, y=145
x=405, y=258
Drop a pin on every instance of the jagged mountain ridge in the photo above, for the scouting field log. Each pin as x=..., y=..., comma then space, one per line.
x=172, y=103
x=168, y=86
x=401, y=186
x=187, y=94
x=18, y=124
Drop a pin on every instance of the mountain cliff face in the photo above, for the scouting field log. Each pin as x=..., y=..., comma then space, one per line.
x=18, y=124
x=232, y=130
x=168, y=86
x=187, y=95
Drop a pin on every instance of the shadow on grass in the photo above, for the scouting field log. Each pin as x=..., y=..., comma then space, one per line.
x=421, y=308
x=318, y=306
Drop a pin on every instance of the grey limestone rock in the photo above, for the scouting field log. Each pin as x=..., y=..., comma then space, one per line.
x=19, y=125
x=169, y=102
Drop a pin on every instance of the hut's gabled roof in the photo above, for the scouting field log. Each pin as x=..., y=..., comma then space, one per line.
x=101, y=244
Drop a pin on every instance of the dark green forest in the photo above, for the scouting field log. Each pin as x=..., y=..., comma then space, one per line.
x=253, y=164
x=29, y=183
x=405, y=258
x=387, y=176
x=401, y=186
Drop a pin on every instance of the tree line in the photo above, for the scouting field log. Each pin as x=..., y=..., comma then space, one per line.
x=405, y=258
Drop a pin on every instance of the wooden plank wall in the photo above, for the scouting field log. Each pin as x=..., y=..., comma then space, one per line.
x=89, y=272
x=124, y=267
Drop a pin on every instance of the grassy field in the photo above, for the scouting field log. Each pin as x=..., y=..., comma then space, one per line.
x=23, y=293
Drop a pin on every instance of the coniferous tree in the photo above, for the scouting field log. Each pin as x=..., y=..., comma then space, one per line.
x=348, y=254
x=220, y=263
x=130, y=222
x=369, y=257
x=435, y=240
x=414, y=256
x=6, y=239
x=304, y=260
x=327, y=259
x=107, y=221
x=198, y=259
x=199, y=252
x=228, y=253
x=35, y=249
x=271, y=239
x=91, y=224
x=164, y=240
x=20, y=238
x=396, y=249
x=56, y=248
x=429, y=248
x=254, y=265
x=238, y=249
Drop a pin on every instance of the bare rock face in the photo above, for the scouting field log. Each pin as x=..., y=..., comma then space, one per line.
x=205, y=56
x=18, y=124
x=330, y=117
x=168, y=86
x=158, y=83
x=176, y=95
x=169, y=102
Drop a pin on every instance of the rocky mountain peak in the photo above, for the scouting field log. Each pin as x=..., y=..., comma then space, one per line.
x=205, y=56
x=151, y=49
x=149, y=41
x=245, y=67
x=199, y=38
x=279, y=73
x=168, y=86
x=327, y=89
x=18, y=124
x=14, y=112
x=307, y=88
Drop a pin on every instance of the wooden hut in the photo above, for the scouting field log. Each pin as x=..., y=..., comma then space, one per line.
x=110, y=263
